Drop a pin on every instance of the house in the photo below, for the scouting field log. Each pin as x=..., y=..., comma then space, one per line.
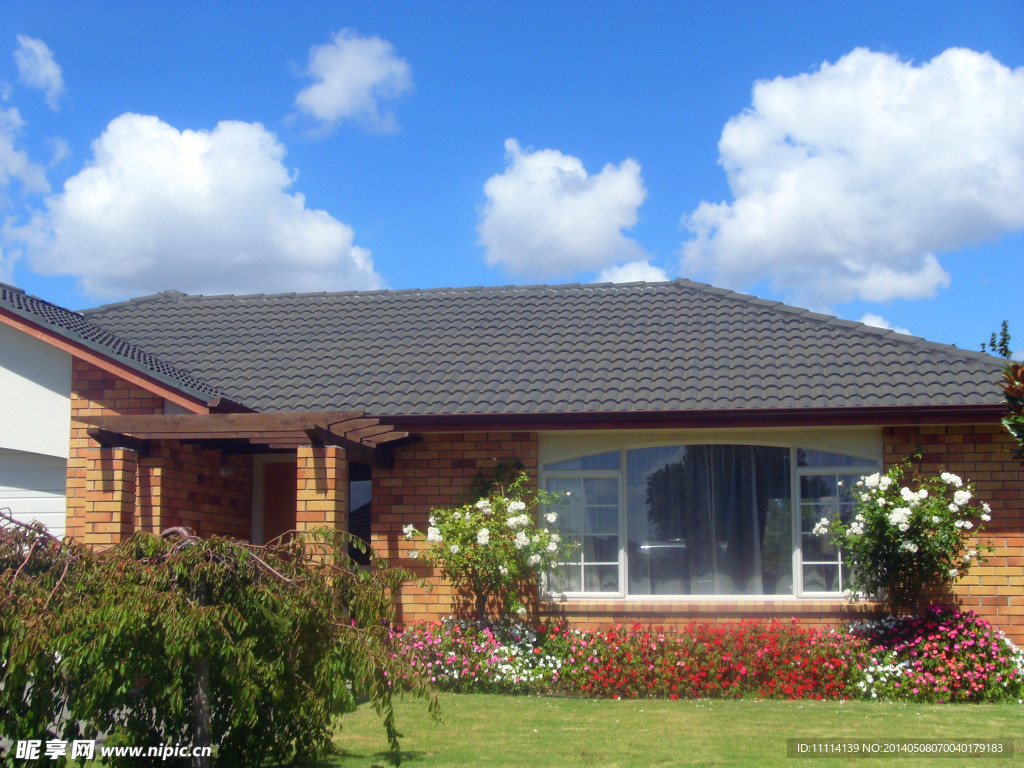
x=701, y=432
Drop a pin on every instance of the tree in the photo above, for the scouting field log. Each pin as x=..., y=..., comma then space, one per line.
x=174, y=639
x=1000, y=345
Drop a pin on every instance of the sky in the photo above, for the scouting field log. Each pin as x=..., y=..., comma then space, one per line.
x=863, y=159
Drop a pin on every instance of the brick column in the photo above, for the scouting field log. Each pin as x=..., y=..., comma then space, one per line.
x=322, y=493
x=110, y=484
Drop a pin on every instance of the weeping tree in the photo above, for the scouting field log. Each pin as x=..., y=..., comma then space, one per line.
x=174, y=639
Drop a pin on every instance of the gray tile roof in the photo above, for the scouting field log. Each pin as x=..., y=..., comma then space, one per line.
x=76, y=328
x=570, y=348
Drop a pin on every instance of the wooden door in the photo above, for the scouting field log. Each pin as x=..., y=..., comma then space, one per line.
x=279, y=487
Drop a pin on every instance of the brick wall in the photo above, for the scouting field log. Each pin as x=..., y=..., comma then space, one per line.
x=427, y=475
x=111, y=492
x=979, y=454
x=436, y=472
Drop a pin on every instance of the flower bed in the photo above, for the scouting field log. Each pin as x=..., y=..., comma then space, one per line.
x=942, y=656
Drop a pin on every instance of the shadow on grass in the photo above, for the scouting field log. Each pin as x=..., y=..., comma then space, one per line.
x=379, y=759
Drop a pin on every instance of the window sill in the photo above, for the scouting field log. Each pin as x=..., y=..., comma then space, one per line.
x=645, y=609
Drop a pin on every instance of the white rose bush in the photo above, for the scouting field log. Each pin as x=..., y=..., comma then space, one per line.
x=494, y=547
x=907, y=535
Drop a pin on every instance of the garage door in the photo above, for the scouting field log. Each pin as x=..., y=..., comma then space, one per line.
x=32, y=486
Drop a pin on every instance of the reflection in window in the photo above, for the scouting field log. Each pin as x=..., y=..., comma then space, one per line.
x=709, y=519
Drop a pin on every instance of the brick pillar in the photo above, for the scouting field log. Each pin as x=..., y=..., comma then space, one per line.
x=110, y=484
x=322, y=493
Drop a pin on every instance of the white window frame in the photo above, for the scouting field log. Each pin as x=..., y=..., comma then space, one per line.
x=796, y=473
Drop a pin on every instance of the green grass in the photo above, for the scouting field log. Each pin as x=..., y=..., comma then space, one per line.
x=491, y=730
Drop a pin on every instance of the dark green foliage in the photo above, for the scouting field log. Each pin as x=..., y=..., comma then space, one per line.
x=291, y=635
x=1013, y=388
x=1000, y=345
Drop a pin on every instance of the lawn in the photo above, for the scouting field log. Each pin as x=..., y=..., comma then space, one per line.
x=493, y=730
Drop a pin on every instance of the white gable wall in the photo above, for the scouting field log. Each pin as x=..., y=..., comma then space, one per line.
x=35, y=415
x=35, y=395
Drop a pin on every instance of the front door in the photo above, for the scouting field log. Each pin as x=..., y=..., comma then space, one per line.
x=279, y=485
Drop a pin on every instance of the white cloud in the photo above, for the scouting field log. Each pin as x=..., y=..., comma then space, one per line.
x=14, y=162
x=545, y=216
x=353, y=75
x=877, y=321
x=201, y=211
x=38, y=69
x=849, y=179
x=633, y=272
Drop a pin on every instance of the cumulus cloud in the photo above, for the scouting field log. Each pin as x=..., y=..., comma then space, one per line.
x=545, y=216
x=877, y=321
x=633, y=272
x=352, y=76
x=201, y=211
x=15, y=162
x=848, y=180
x=38, y=69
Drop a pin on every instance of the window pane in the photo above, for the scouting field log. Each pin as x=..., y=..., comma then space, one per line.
x=588, y=516
x=709, y=519
x=565, y=578
x=599, y=461
x=601, y=578
x=808, y=458
x=821, y=578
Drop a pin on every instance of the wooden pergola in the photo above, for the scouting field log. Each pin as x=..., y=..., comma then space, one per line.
x=365, y=439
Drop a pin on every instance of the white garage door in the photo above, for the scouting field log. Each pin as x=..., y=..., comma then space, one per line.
x=32, y=486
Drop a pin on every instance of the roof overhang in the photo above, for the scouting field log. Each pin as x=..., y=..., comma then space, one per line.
x=365, y=439
x=196, y=402
x=878, y=416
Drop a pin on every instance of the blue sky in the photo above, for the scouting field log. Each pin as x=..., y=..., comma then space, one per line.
x=860, y=158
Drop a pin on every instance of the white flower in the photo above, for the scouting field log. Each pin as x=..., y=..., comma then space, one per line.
x=922, y=493
x=484, y=505
x=909, y=546
x=881, y=501
x=503, y=570
x=904, y=527
x=855, y=529
x=454, y=548
x=954, y=508
x=519, y=521
x=533, y=560
x=457, y=515
x=552, y=546
x=986, y=517
x=953, y=573
x=959, y=523
x=521, y=540
x=950, y=479
x=860, y=518
x=935, y=519
x=821, y=528
x=409, y=531
x=899, y=517
x=961, y=497
x=555, y=538
x=516, y=506
x=434, y=535
x=483, y=537
x=865, y=496
x=968, y=525
x=521, y=610
x=871, y=481
x=909, y=496
x=884, y=482
x=551, y=517
x=414, y=554
x=432, y=520
x=986, y=508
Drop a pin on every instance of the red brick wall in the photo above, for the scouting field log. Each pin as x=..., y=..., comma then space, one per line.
x=979, y=454
x=436, y=472
x=174, y=485
x=428, y=475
